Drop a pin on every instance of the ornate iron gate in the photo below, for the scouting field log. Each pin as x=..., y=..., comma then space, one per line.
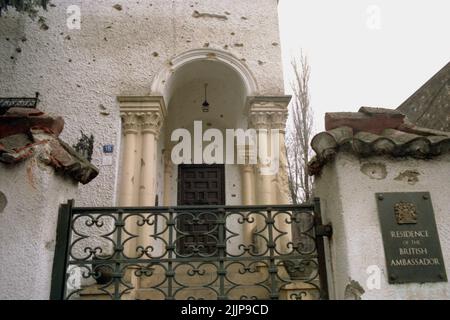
x=261, y=252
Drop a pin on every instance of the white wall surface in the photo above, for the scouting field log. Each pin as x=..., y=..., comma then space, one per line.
x=28, y=228
x=79, y=73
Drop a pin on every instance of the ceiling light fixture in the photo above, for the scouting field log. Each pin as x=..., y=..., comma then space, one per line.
x=205, y=105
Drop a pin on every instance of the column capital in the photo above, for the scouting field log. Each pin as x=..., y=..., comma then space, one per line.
x=130, y=122
x=259, y=120
x=148, y=111
x=142, y=104
x=268, y=112
x=279, y=119
x=150, y=122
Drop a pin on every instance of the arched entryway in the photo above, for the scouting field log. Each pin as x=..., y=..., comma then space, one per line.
x=226, y=87
x=148, y=174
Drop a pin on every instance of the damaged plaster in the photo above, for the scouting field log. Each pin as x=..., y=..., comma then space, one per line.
x=197, y=14
x=374, y=170
x=409, y=176
x=3, y=202
x=26, y=132
x=353, y=291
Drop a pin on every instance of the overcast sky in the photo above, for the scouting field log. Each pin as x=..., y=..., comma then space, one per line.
x=365, y=53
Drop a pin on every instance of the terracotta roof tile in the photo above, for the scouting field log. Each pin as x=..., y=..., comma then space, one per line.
x=372, y=132
x=28, y=132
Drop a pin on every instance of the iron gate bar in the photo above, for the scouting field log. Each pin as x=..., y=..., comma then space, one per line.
x=169, y=261
x=60, y=260
x=321, y=248
x=298, y=208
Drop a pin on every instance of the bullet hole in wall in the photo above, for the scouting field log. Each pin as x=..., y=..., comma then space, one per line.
x=3, y=202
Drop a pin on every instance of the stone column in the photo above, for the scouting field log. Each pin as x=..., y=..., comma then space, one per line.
x=143, y=115
x=265, y=114
x=279, y=123
x=282, y=185
x=248, y=196
x=263, y=182
x=261, y=122
x=130, y=129
x=248, y=185
x=128, y=198
x=150, y=127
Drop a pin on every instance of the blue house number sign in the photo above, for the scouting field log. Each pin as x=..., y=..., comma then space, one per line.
x=108, y=148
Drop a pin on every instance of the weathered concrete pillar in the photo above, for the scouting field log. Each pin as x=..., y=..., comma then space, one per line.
x=28, y=228
x=372, y=152
x=38, y=172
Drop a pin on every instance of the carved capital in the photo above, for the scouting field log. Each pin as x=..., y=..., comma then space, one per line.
x=151, y=122
x=130, y=122
x=146, y=112
x=268, y=119
x=278, y=120
x=259, y=119
x=268, y=112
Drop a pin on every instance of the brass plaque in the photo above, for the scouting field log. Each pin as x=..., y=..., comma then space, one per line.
x=411, y=241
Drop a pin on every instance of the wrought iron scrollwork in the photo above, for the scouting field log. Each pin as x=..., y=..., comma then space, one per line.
x=191, y=253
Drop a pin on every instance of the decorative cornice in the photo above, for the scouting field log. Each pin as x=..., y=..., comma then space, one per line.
x=142, y=104
x=268, y=103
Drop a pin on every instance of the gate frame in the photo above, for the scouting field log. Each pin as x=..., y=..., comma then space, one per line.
x=61, y=256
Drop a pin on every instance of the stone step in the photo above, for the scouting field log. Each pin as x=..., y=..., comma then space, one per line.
x=95, y=292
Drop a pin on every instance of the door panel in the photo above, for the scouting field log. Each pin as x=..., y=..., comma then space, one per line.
x=199, y=185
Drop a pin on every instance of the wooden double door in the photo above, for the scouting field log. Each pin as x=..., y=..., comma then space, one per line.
x=200, y=185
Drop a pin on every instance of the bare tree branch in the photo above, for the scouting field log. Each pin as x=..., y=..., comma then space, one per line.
x=300, y=133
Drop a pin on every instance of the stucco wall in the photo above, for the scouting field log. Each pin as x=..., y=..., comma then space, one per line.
x=347, y=189
x=28, y=228
x=79, y=73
